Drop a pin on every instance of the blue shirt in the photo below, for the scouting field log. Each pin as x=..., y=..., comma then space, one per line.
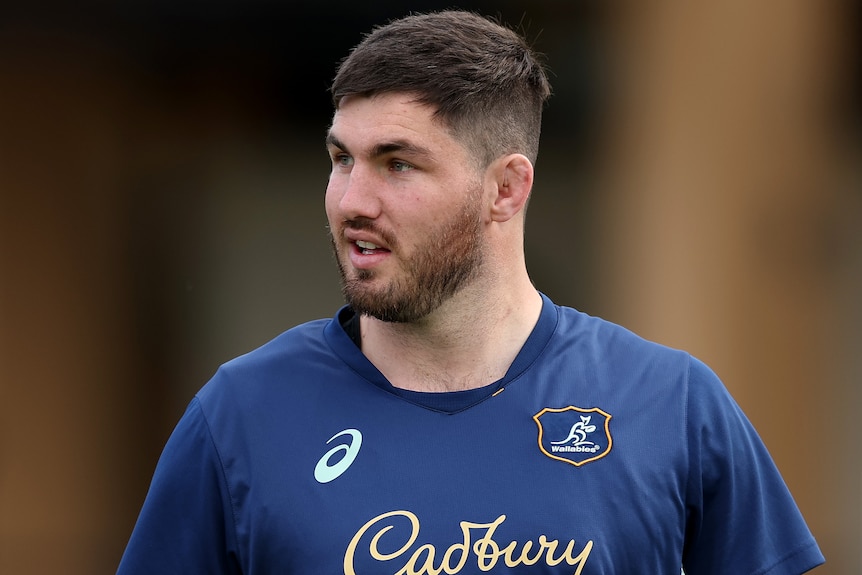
x=598, y=453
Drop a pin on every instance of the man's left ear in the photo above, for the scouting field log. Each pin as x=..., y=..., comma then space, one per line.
x=513, y=176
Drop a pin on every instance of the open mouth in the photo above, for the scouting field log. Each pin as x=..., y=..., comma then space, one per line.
x=368, y=248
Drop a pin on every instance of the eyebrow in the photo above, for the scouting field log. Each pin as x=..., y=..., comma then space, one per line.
x=384, y=148
x=333, y=142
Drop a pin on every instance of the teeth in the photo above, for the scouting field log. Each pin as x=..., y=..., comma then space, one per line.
x=366, y=246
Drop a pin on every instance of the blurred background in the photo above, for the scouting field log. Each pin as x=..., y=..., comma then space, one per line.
x=162, y=172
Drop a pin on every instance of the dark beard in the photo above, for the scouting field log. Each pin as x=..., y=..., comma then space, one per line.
x=449, y=260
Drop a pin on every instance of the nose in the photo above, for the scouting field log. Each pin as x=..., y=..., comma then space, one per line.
x=355, y=192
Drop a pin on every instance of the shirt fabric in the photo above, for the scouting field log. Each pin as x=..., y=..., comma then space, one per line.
x=598, y=453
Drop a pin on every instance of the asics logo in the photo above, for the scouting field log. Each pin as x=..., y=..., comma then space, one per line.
x=326, y=471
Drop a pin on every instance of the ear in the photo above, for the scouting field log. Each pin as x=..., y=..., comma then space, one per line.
x=513, y=179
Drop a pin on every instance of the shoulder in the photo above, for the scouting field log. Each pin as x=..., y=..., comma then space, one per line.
x=273, y=369
x=286, y=348
x=615, y=349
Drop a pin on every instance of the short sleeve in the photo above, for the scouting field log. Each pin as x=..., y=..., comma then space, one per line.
x=186, y=524
x=741, y=518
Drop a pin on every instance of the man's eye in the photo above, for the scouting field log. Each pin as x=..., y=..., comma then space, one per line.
x=343, y=160
x=399, y=166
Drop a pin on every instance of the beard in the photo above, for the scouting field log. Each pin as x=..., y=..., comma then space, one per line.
x=447, y=261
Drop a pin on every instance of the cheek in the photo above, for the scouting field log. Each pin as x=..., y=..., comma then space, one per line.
x=331, y=200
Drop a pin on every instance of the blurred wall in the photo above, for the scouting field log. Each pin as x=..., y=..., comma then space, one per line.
x=161, y=182
x=731, y=221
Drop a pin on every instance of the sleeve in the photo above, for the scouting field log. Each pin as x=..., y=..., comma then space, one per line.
x=741, y=518
x=186, y=524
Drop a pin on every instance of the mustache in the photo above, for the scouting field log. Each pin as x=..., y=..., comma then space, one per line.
x=362, y=223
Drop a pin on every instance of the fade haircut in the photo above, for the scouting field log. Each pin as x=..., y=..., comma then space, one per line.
x=483, y=80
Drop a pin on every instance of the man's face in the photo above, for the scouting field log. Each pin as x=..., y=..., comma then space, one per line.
x=404, y=204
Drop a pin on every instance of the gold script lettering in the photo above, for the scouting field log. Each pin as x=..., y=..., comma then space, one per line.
x=486, y=549
x=351, y=549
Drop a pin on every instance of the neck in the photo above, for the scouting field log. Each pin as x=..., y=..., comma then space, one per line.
x=469, y=342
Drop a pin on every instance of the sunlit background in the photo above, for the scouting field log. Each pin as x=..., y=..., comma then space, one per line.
x=162, y=171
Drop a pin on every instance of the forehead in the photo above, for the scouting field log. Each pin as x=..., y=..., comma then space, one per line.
x=363, y=123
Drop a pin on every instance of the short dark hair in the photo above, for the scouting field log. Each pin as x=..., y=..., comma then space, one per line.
x=484, y=81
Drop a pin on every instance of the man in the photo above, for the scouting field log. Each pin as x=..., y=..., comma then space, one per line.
x=450, y=418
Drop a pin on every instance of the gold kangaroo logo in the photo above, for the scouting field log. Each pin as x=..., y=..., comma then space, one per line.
x=579, y=431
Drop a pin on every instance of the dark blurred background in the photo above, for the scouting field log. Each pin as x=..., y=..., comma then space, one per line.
x=162, y=172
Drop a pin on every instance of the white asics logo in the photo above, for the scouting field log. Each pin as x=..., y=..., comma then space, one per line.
x=323, y=471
